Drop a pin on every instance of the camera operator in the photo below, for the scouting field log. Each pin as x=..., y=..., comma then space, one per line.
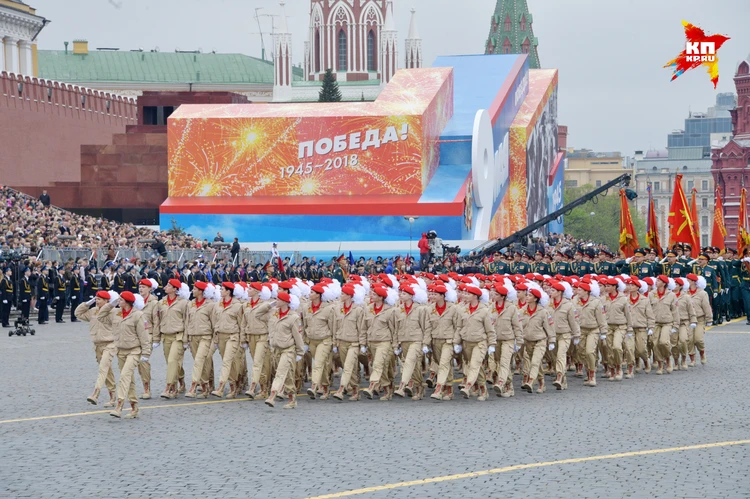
x=436, y=245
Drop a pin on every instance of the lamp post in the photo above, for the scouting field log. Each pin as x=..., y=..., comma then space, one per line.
x=411, y=223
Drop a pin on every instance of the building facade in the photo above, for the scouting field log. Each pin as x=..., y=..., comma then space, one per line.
x=700, y=127
x=19, y=28
x=511, y=31
x=731, y=162
x=586, y=167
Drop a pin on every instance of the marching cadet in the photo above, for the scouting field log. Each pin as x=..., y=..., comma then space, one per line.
x=351, y=338
x=25, y=294
x=703, y=315
x=150, y=314
x=255, y=318
x=132, y=343
x=667, y=321
x=619, y=324
x=688, y=320
x=506, y=319
x=172, y=310
x=102, y=336
x=444, y=318
x=227, y=327
x=199, y=332
x=593, y=323
x=42, y=296
x=380, y=321
x=414, y=337
x=285, y=337
x=565, y=318
x=538, y=336
x=642, y=316
x=476, y=337
x=319, y=322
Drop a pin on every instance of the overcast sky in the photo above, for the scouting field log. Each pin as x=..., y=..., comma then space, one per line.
x=614, y=94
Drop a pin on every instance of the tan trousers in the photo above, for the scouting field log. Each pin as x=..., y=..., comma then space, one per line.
x=442, y=352
x=284, y=378
x=679, y=340
x=475, y=352
x=561, y=353
x=504, y=373
x=321, y=354
x=641, y=344
x=105, y=352
x=615, y=335
x=229, y=343
x=628, y=348
x=174, y=353
x=662, y=342
x=128, y=361
x=382, y=353
x=534, y=352
x=349, y=353
x=587, y=348
x=144, y=368
x=203, y=364
x=260, y=352
x=696, y=337
x=411, y=361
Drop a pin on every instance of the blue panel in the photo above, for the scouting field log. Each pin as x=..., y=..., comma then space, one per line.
x=303, y=228
x=445, y=184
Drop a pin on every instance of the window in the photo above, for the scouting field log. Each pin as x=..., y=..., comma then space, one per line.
x=656, y=204
x=342, y=51
x=371, y=53
x=704, y=240
x=316, y=55
x=571, y=183
x=704, y=221
x=657, y=186
x=507, y=24
x=506, y=46
x=598, y=183
x=156, y=115
x=523, y=23
x=704, y=185
x=691, y=184
x=525, y=46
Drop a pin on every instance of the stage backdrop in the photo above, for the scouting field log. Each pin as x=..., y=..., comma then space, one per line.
x=357, y=149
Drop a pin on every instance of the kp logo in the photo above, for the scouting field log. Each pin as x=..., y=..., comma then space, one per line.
x=700, y=50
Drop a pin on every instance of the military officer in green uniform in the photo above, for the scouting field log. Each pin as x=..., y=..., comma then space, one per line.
x=735, y=284
x=517, y=266
x=744, y=266
x=673, y=267
x=497, y=265
x=541, y=266
x=338, y=272
x=709, y=273
x=560, y=265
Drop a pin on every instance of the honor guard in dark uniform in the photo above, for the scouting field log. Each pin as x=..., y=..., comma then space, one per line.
x=75, y=288
x=254, y=275
x=686, y=257
x=25, y=293
x=672, y=267
x=118, y=281
x=91, y=287
x=735, y=284
x=541, y=266
x=105, y=282
x=518, y=266
x=6, y=293
x=709, y=273
x=338, y=269
x=497, y=265
x=42, y=296
x=59, y=290
x=561, y=265
x=744, y=265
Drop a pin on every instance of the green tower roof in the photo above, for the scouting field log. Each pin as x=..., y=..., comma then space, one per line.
x=511, y=31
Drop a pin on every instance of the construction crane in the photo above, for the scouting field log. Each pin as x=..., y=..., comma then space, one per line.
x=260, y=32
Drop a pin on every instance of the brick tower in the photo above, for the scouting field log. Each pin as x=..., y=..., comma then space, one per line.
x=511, y=31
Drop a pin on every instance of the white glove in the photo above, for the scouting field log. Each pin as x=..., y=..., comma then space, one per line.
x=630, y=335
x=306, y=348
x=490, y=350
x=89, y=303
x=715, y=295
x=5, y=302
x=42, y=297
x=425, y=350
x=693, y=325
x=650, y=332
x=23, y=301
x=457, y=348
x=245, y=346
x=602, y=336
x=299, y=357
x=335, y=349
x=709, y=323
x=113, y=297
x=516, y=348
x=576, y=341
x=397, y=351
x=551, y=346
x=363, y=350
x=674, y=330
x=144, y=358
x=154, y=346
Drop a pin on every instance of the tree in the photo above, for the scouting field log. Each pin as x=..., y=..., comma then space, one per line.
x=176, y=230
x=604, y=225
x=330, y=91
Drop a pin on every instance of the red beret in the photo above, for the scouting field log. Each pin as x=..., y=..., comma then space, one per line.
x=585, y=286
x=692, y=277
x=258, y=286
x=103, y=294
x=319, y=288
x=127, y=296
x=380, y=291
x=175, y=283
x=663, y=279
x=522, y=287
x=500, y=289
x=348, y=290
x=228, y=285
x=474, y=290
x=444, y=278
x=144, y=282
x=406, y=288
x=386, y=280
x=634, y=280
x=441, y=289
x=612, y=281
x=201, y=285
x=536, y=293
x=557, y=285
x=285, y=297
x=285, y=285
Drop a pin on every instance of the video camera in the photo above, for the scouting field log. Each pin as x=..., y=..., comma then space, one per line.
x=451, y=250
x=22, y=328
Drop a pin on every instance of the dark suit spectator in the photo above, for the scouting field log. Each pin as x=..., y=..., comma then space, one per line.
x=44, y=198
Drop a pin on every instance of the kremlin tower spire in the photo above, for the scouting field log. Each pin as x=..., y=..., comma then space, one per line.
x=413, y=44
x=389, y=46
x=511, y=32
x=282, y=60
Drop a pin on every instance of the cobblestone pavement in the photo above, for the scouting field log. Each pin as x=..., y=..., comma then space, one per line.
x=245, y=449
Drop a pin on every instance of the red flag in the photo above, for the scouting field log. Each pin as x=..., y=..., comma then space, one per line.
x=694, y=218
x=743, y=229
x=281, y=265
x=628, y=238
x=681, y=229
x=652, y=226
x=719, y=231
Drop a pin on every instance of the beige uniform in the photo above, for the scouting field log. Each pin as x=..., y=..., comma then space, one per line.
x=319, y=329
x=199, y=332
x=619, y=325
x=565, y=317
x=687, y=314
x=381, y=340
x=642, y=315
x=475, y=334
x=285, y=339
x=227, y=322
x=537, y=334
x=150, y=314
x=509, y=333
x=443, y=330
x=172, y=325
x=255, y=335
x=414, y=331
x=103, y=338
x=350, y=336
x=703, y=314
x=666, y=318
x=593, y=322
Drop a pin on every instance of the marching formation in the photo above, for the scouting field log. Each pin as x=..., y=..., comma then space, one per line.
x=400, y=332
